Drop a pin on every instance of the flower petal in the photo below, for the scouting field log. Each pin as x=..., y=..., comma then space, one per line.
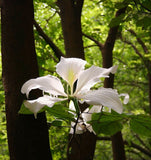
x=79, y=129
x=126, y=97
x=36, y=105
x=87, y=114
x=47, y=83
x=91, y=76
x=104, y=96
x=70, y=68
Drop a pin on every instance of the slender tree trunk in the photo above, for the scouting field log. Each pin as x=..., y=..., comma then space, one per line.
x=107, y=54
x=27, y=136
x=70, y=13
x=82, y=147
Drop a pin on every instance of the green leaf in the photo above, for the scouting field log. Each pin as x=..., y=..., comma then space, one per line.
x=56, y=123
x=141, y=124
x=24, y=110
x=120, y=5
x=116, y=21
x=60, y=112
x=106, y=123
x=108, y=128
x=144, y=22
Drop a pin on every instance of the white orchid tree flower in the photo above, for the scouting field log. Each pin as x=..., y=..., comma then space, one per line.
x=73, y=72
x=86, y=116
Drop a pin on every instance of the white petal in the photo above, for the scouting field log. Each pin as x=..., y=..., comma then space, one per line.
x=70, y=68
x=87, y=114
x=126, y=97
x=71, y=106
x=47, y=83
x=104, y=96
x=91, y=76
x=36, y=105
x=89, y=127
x=80, y=128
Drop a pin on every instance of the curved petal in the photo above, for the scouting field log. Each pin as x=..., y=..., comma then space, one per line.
x=80, y=128
x=103, y=96
x=70, y=68
x=126, y=97
x=91, y=76
x=47, y=83
x=87, y=114
x=36, y=105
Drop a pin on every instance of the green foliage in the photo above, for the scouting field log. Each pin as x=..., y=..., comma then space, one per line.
x=131, y=77
x=106, y=123
x=141, y=124
x=116, y=21
x=110, y=123
x=24, y=110
x=61, y=112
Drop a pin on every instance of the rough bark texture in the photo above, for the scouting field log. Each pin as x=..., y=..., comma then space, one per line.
x=27, y=137
x=82, y=146
x=107, y=54
x=70, y=13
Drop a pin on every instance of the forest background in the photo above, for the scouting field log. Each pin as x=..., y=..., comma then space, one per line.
x=123, y=25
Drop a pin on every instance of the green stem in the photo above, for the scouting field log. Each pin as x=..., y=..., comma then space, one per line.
x=75, y=101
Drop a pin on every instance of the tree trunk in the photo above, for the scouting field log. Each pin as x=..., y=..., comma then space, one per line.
x=70, y=13
x=107, y=54
x=27, y=137
x=82, y=147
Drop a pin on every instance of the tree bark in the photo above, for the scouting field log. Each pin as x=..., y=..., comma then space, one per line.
x=27, y=137
x=82, y=146
x=70, y=13
x=107, y=54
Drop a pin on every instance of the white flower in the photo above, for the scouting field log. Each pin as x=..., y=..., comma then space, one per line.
x=80, y=81
x=85, y=117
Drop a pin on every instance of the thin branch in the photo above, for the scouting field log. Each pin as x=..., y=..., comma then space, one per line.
x=130, y=144
x=48, y=19
x=144, y=7
x=136, y=146
x=121, y=61
x=131, y=44
x=56, y=50
x=142, y=142
x=72, y=136
x=91, y=46
x=100, y=45
x=136, y=153
x=139, y=40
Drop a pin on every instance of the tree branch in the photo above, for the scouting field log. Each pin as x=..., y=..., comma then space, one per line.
x=139, y=40
x=144, y=6
x=110, y=40
x=131, y=44
x=100, y=45
x=136, y=146
x=130, y=144
x=56, y=50
x=142, y=142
